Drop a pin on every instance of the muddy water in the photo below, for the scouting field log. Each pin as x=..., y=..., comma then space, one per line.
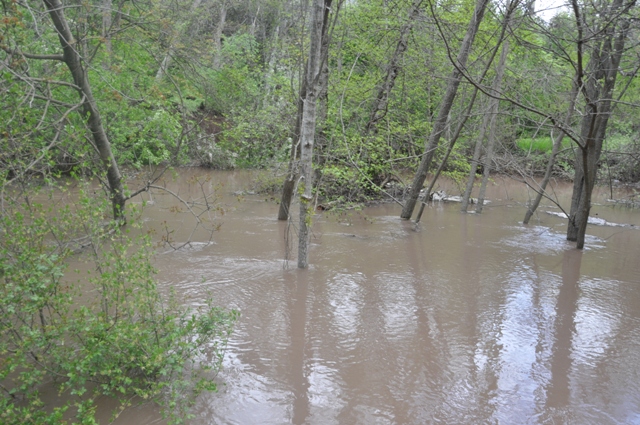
x=467, y=319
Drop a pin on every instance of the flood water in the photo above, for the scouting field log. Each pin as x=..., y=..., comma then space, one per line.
x=468, y=319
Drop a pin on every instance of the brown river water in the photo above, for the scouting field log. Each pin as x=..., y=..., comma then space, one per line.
x=467, y=319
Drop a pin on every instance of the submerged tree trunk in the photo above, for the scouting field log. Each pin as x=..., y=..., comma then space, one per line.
x=295, y=151
x=445, y=107
x=597, y=88
x=308, y=129
x=475, y=160
x=72, y=59
x=512, y=6
x=509, y=12
x=292, y=172
x=452, y=143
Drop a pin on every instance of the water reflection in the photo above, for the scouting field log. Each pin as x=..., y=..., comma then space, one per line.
x=558, y=389
x=298, y=318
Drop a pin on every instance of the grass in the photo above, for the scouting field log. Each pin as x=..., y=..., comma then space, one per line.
x=539, y=144
x=545, y=144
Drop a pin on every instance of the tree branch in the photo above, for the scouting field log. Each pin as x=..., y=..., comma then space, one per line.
x=32, y=55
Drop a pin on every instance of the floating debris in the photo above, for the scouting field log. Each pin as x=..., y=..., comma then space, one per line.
x=593, y=220
x=441, y=196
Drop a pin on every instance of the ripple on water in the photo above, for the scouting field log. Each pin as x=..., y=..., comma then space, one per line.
x=397, y=294
x=345, y=297
x=246, y=398
x=326, y=396
x=243, y=277
x=597, y=321
x=606, y=353
x=544, y=240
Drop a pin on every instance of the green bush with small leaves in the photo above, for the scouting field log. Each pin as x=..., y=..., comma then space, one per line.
x=107, y=333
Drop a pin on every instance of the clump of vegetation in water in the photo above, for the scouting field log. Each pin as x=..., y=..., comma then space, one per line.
x=107, y=331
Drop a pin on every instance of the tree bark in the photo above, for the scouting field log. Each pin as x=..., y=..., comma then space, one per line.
x=443, y=114
x=597, y=90
x=308, y=129
x=293, y=172
x=101, y=142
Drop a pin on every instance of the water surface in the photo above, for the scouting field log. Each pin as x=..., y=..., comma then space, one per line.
x=466, y=319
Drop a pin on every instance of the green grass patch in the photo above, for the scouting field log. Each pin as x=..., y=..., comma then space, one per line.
x=540, y=144
x=616, y=142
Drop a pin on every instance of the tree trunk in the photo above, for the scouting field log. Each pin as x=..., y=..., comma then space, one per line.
x=217, y=38
x=445, y=109
x=379, y=109
x=452, y=143
x=512, y=6
x=308, y=129
x=557, y=144
x=323, y=98
x=90, y=109
x=292, y=173
x=475, y=160
x=493, y=114
x=106, y=32
x=603, y=65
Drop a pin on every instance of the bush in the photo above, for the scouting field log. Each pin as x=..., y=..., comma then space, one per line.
x=111, y=333
x=258, y=138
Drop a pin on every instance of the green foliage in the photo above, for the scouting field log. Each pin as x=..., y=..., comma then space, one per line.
x=539, y=144
x=144, y=138
x=110, y=333
x=344, y=185
x=268, y=181
x=457, y=167
x=258, y=138
x=236, y=84
x=533, y=155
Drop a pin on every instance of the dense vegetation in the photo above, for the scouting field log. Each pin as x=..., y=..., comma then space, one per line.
x=219, y=84
x=216, y=84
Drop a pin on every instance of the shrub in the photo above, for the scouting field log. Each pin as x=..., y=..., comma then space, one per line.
x=111, y=333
